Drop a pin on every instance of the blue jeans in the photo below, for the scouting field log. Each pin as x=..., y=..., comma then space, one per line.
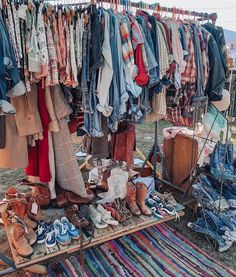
x=85, y=73
x=201, y=226
x=218, y=168
x=229, y=192
x=92, y=117
x=117, y=87
x=206, y=193
x=200, y=96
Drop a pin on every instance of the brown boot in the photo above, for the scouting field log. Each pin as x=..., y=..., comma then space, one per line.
x=21, y=207
x=18, y=239
x=30, y=235
x=131, y=199
x=141, y=193
x=76, y=217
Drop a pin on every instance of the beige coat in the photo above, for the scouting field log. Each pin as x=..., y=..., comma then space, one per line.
x=15, y=153
x=68, y=175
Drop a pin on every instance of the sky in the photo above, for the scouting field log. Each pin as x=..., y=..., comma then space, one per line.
x=225, y=9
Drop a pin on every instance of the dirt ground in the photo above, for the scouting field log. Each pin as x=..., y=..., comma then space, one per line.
x=145, y=139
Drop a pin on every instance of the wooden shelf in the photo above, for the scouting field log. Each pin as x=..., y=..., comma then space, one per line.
x=43, y=254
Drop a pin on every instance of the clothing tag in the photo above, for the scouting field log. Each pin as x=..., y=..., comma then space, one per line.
x=34, y=208
x=22, y=11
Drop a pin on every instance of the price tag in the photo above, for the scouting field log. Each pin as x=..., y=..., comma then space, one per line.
x=34, y=208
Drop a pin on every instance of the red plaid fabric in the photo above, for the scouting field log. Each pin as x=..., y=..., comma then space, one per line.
x=190, y=73
x=174, y=115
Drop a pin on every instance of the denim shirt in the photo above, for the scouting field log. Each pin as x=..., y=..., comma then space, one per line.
x=218, y=34
x=216, y=79
x=9, y=73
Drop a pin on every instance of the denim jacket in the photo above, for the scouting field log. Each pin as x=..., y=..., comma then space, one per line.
x=216, y=79
x=9, y=74
x=218, y=34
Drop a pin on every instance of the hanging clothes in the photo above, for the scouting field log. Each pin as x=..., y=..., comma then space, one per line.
x=39, y=154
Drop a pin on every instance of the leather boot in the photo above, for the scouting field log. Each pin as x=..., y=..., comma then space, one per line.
x=131, y=199
x=31, y=236
x=18, y=238
x=76, y=217
x=141, y=193
x=21, y=208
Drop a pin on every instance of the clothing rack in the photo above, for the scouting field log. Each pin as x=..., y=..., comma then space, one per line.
x=143, y=5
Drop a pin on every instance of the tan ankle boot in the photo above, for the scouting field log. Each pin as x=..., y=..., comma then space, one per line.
x=18, y=238
x=19, y=203
x=141, y=193
x=131, y=199
x=21, y=208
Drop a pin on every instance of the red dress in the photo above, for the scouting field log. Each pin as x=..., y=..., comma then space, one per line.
x=39, y=154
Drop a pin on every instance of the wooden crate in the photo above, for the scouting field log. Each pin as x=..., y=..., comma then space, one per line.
x=43, y=254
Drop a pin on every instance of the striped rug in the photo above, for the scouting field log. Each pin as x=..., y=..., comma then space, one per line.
x=156, y=251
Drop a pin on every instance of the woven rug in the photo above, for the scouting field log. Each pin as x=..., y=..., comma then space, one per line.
x=156, y=251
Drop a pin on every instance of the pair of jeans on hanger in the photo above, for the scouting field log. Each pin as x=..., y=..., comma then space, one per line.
x=91, y=61
x=222, y=164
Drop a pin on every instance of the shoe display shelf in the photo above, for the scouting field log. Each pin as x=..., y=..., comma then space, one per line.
x=42, y=254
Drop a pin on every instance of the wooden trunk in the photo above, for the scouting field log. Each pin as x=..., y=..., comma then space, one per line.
x=180, y=156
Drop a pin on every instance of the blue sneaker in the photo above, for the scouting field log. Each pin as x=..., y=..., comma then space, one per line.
x=41, y=232
x=62, y=235
x=72, y=230
x=50, y=240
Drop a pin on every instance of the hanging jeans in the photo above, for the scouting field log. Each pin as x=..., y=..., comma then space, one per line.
x=218, y=168
x=92, y=117
x=200, y=97
x=114, y=91
x=85, y=73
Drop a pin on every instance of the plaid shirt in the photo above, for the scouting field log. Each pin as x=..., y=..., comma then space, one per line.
x=190, y=72
x=163, y=51
x=174, y=115
x=127, y=48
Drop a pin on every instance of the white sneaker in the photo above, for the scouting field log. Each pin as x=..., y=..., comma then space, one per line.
x=106, y=216
x=96, y=217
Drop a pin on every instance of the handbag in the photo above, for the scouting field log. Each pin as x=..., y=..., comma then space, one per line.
x=40, y=193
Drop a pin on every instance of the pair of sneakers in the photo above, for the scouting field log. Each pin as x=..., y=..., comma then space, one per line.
x=61, y=231
x=100, y=217
x=45, y=234
x=65, y=231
